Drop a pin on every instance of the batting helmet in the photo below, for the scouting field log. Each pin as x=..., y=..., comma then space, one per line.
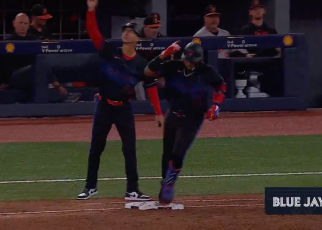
x=193, y=52
x=134, y=26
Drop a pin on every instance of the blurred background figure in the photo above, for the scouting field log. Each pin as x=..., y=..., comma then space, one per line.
x=210, y=28
x=39, y=17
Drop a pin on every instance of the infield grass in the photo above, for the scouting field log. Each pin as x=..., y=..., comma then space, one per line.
x=208, y=156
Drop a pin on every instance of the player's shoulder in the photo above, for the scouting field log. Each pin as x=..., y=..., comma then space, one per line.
x=246, y=28
x=173, y=64
x=223, y=32
x=140, y=58
x=207, y=70
x=202, y=32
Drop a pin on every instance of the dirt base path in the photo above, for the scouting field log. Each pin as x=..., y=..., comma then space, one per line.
x=201, y=212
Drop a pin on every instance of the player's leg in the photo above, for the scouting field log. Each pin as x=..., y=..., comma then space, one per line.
x=102, y=123
x=186, y=133
x=125, y=125
x=169, y=135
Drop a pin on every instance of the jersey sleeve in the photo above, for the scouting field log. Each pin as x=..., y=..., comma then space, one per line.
x=217, y=82
x=105, y=49
x=148, y=82
x=213, y=78
x=167, y=68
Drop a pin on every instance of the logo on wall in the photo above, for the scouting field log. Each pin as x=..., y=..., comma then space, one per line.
x=288, y=40
x=196, y=40
x=10, y=47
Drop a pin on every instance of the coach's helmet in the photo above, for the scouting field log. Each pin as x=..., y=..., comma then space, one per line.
x=134, y=26
x=193, y=52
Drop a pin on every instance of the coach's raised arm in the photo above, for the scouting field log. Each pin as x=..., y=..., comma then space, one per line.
x=100, y=44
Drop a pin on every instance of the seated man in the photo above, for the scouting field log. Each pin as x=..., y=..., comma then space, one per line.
x=17, y=68
x=39, y=17
x=257, y=80
x=257, y=26
x=211, y=20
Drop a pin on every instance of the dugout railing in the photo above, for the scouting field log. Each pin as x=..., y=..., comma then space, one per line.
x=78, y=61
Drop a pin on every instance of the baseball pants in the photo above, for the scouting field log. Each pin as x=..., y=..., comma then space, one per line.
x=104, y=117
x=179, y=134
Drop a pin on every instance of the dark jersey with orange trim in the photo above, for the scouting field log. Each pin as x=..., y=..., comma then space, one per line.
x=189, y=92
x=146, y=53
x=251, y=29
x=120, y=73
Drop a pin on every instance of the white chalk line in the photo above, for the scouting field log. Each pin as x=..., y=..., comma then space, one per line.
x=4, y=214
x=180, y=201
x=152, y=177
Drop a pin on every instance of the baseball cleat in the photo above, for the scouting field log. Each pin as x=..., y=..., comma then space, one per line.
x=87, y=193
x=166, y=193
x=136, y=196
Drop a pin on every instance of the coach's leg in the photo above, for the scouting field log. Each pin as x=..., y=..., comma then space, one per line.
x=102, y=124
x=186, y=133
x=125, y=125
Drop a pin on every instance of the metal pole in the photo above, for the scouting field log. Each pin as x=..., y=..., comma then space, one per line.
x=79, y=23
x=4, y=20
x=61, y=20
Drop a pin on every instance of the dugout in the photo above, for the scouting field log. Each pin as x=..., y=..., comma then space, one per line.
x=78, y=61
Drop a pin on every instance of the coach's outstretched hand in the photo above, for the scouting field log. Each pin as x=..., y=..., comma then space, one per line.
x=172, y=49
x=213, y=113
x=92, y=4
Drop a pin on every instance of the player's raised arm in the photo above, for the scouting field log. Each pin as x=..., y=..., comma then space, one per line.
x=154, y=66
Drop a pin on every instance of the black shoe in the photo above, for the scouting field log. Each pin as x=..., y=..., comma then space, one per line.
x=71, y=97
x=87, y=193
x=136, y=196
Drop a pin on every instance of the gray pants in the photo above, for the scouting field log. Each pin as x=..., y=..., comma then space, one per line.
x=140, y=92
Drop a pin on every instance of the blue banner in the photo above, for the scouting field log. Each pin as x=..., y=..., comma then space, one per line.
x=208, y=43
x=293, y=201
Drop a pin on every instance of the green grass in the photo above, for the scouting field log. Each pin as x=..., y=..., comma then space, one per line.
x=33, y=161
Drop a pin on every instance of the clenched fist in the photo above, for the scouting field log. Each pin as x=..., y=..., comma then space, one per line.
x=92, y=4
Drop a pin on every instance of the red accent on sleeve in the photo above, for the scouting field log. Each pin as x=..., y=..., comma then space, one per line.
x=154, y=99
x=219, y=94
x=93, y=31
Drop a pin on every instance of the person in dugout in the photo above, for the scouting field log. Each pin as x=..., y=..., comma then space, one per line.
x=122, y=68
x=158, y=17
x=151, y=30
x=17, y=69
x=186, y=85
x=39, y=17
x=269, y=82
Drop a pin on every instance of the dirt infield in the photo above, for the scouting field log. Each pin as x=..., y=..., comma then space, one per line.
x=202, y=212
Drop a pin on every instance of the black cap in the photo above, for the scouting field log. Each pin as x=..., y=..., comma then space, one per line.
x=193, y=52
x=133, y=26
x=155, y=15
x=210, y=10
x=151, y=22
x=256, y=3
x=40, y=12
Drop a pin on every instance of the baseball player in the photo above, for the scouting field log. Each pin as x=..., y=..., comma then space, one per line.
x=122, y=69
x=186, y=86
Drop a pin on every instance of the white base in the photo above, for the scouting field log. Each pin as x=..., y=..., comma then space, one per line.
x=152, y=205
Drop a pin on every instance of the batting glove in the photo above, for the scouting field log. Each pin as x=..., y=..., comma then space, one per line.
x=213, y=113
x=172, y=49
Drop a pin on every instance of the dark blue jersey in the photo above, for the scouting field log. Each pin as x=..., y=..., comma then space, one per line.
x=186, y=91
x=119, y=73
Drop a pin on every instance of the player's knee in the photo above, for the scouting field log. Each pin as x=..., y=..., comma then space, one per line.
x=177, y=161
